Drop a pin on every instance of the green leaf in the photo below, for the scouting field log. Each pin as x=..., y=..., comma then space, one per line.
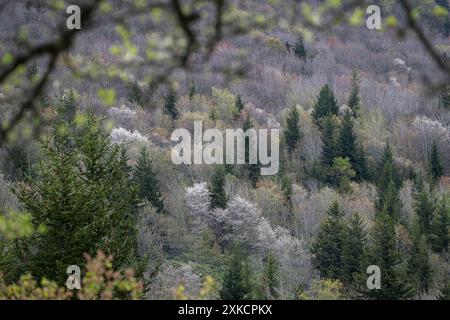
x=108, y=96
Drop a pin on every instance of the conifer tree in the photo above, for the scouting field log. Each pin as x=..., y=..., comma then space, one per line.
x=328, y=244
x=292, y=134
x=444, y=292
x=170, y=105
x=384, y=254
x=325, y=105
x=354, y=100
x=252, y=169
x=147, y=181
x=217, y=188
x=350, y=148
x=424, y=207
x=329, y=143
x=353, y=249
x=238, y=107
x=235, y=283
x=299, y=48
x=66, y=106
x=83, y=194
x=419, y=269
x=134, y=94
x=440, y=226
x=435, y=169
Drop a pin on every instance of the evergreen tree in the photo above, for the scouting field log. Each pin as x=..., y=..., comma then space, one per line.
x=170, y=105
x=252, y=169
x=349, y=147
x=269, y=279
x=83, y=194
x=299, y=48
x=439, y=237
x=424, y=207
x=325, y=105
x=435, y=169
x=134, y=94
x=354, y=100
x=444, y=293
x=286, y=187
x=238, y=107
x=217, y=189
x=292, y=134
x=147, y=182
x=329, y=143
x=327, y=247
x=353, y=249
x=418, y=265
x=385, y=255
x=235, y=283
x=66, y=106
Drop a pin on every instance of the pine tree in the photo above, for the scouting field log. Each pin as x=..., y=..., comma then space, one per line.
x=327, y=247
x=82, y=193
x=349, y=147
x=235, y=283
x=292, y=134
x=252, y=169
x=435, y=169
x=269, y=279
x=325, y=105
x=353, y=249
x=299, y=48
x=217, y=189
x=418, y=265
x=424, y=207
x=147, y=182
x=354, y=100
x=440, y=226
x=170, y=105
x=134, y=94
x=238, y=107
x=384, y=254
x=329, y=143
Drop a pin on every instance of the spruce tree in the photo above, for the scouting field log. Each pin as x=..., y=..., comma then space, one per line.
x=269, y=279
x=235, y=283
x=238, y=107
x=419, y=269
x=350, y=148
x=83, y=194
x=292, y=134
x=385, y=255
x=327, y=247
x=299, y=48
x=147, y=181
x=170, y=105
x=67, y=105
x=252, y=169
x=217, y=188
x=354, y=100
x=435, y=169
x=329, y=143
x=353, y=249
x=325, y=105
x=440, y=226
x=424, y=207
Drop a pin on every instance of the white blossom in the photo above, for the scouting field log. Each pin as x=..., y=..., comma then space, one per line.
x=123, y=136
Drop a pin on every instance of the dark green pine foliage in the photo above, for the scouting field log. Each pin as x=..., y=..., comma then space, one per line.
x=253, y=170
x=351, y=149
x=388, y=185
x=83, y=194
x=328, y=244
x=384, y=254
x=325, y=105
x=236, y=280
x=269, y=279
x=286, y=187
x=354, y=100
x=424, y=207
x=170, y=105
x=440, y=225
x=217, y=188
x=134, y=94
x=435, y=169
x=353, y=250
x=147, y=181
x=238, y=107
x=299, y=48
x=329, y=142
x=419, y=270
x=292, y=134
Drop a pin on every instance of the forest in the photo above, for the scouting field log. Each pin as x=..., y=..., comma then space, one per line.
x=87, y=176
